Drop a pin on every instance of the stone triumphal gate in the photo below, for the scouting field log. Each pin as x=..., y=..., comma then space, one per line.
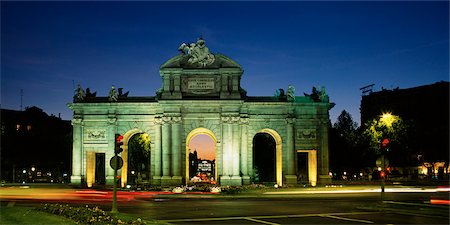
x=201, y=94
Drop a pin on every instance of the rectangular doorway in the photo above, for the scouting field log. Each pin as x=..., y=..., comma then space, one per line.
x=100, y=168
x=302, y=168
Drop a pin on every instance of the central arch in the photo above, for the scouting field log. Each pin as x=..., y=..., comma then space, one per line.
x=278, y=154
x=192, y=134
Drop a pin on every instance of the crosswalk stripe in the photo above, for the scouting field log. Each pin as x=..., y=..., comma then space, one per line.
x=347, y=219
x=261, y=221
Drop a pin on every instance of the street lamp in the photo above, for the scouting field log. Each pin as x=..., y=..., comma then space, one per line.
x=386, y=119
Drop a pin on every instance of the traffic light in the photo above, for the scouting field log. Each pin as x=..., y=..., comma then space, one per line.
x=118, y=143
x=385, y=144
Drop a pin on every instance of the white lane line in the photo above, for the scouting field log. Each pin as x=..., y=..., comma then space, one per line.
x=266, y=217
x=204, y=219
x=347, y=219
x=261, y=221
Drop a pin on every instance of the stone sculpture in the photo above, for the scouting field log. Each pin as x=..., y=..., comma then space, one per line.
x=198, y=52
x=79, y=94
x=113, y=95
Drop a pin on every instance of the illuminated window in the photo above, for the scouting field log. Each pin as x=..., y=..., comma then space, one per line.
x=29, y=127
x=18, y=127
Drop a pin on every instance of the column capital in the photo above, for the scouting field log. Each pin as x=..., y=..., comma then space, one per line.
x=158, y=120
x=244, y=121
x=323, y=121
x=290, y=120
x=112, y=120
x=77, y=121
x=225, y=119
x=235, y=119
x=166, y=119
x=176, y=119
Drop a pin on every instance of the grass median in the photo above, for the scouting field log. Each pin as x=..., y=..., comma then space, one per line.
x=28, y=215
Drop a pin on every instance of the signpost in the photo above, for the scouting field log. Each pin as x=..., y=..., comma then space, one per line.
x=116, y=163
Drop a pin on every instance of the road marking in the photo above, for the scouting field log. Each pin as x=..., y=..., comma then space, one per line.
x=261, y=221
x=204, y=219
x=11, y=204
x=266, y=217
x=415, y=204
x=347, y=219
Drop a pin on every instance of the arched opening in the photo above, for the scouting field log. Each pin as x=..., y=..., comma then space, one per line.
x=201, y=156
x=267, y=157
x=264, y=156
x=136, y=158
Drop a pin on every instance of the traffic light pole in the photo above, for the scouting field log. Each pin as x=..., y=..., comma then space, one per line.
x=114, y=203
x=382, y=177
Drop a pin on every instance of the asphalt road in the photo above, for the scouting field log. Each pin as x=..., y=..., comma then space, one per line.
x=299, y=209
x=308, y=207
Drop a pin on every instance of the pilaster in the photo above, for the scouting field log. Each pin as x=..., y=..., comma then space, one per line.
x=166, y=151
x=230, y=150
x=176, y=150
x=236, y=134
x=290, y=176
x=158, y=151
x=244, y=150
x=324, y=178
x=77, y=151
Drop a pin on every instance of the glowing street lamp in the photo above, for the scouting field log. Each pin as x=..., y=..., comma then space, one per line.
x=387, y=119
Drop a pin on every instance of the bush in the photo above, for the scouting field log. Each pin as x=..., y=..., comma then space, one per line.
x=85, y=215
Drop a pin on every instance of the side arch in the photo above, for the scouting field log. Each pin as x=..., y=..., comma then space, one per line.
x=278, y=153
x=126, y=138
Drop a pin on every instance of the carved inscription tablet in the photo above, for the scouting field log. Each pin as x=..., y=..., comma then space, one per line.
x=200, y=84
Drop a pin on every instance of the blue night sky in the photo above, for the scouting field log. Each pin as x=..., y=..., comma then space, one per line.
x=48, y=46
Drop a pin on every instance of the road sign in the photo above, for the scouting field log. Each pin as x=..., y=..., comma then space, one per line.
x=112, y=162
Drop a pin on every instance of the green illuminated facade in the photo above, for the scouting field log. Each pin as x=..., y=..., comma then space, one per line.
x=201, y=94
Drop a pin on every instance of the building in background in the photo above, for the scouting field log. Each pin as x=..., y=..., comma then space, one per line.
x=35, y=147
x=426, y=109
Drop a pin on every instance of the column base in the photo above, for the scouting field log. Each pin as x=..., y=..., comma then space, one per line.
x=156, y=180
x=166, y=181
x=109, y=180
x=324, y=179
x=177, y=180
x=290, y=179
x=231, y=180
x=245, y=180
x=75, y=180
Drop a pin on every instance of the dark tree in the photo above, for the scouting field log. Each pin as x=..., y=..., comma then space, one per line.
x=139, y=158
x=346, y=153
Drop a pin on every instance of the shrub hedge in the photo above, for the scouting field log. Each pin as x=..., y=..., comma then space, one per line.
x=85, y=215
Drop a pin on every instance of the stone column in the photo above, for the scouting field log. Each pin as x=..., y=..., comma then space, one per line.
x=77, y=151
x=226, y=151
x=176, y=150
x=324, y=178
x=236, y=134
x=166, y=150
x=157, y=152
x=290, y=177
x=244, y=150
